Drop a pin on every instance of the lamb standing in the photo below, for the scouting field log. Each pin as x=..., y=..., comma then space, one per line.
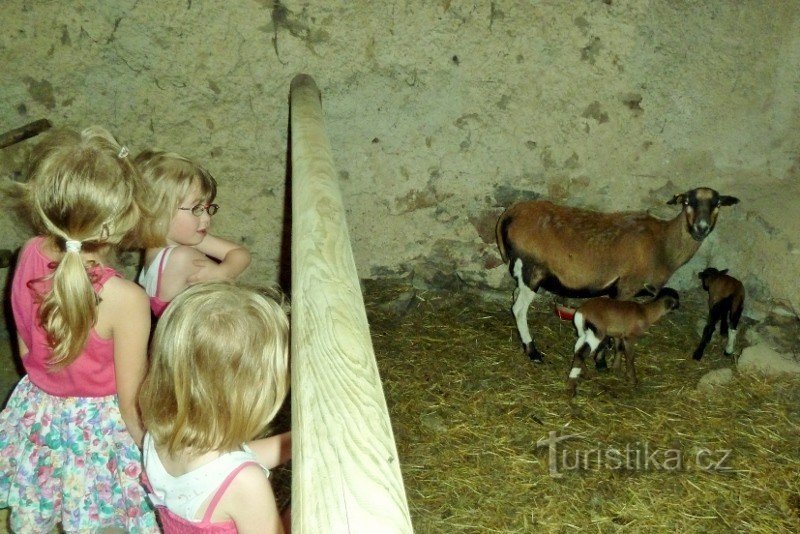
x=725, y=303
x=601, y=318
x=581, y=253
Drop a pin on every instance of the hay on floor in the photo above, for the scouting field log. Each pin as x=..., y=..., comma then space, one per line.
x=468, y=409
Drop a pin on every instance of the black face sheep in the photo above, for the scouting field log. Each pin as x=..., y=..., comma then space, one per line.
x=601, y=318
x=725, y=303
x=581, y=253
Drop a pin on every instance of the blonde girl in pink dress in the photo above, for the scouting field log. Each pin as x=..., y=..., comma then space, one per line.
x=70, y=430
x=218, y=375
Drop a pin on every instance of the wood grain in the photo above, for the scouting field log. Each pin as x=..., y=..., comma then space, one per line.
x=345, y=472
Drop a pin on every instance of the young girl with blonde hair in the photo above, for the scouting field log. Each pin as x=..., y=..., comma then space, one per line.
x=180, y=250
x=69, y=432
x=218, y=374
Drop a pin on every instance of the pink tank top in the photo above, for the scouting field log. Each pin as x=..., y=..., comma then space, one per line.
x=175, y=524
x=151, y=281
x=92, y=373
x=156, y=304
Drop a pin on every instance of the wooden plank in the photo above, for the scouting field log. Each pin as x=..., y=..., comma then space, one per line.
x=345, y=472
x=23, y=132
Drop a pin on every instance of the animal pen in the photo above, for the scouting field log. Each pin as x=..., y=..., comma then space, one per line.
x=486, y=440
x=441, y=116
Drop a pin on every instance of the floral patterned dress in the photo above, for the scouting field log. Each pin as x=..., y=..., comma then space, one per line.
x=65, y=453
x=69, y=460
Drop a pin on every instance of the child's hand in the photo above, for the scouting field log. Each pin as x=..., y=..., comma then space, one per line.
x=274, y=450
x=208, y=270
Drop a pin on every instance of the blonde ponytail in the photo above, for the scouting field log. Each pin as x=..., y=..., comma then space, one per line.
x=84, y=192
x=69, y=310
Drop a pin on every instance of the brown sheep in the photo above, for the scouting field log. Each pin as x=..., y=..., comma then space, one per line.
x=725, y=303
x=582, y=253
x=601, y=318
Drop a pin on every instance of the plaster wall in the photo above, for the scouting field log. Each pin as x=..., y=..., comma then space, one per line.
x=440, y=114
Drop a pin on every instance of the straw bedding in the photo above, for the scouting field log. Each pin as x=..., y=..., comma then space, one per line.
x=468, y=409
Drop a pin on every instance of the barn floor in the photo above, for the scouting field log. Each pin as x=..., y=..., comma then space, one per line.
x=476, y=424
x=468, y=410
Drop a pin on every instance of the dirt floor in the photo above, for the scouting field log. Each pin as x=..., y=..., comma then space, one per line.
x=488, y=441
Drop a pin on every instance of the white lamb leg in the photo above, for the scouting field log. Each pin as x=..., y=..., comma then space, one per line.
x=522, y=302
x=578, y=344
x=592, y=340
x=729, y=348
x=578, y=320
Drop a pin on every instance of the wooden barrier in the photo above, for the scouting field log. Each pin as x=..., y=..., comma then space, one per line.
x=345, y=472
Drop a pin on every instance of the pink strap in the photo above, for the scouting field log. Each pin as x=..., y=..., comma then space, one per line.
x=164, y=255
x=221, y=491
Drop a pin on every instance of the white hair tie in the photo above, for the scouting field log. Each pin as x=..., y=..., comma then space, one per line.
x=123, y=152
x=73, y=246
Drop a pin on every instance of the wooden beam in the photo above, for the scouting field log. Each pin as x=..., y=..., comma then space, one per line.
x=345, y=472
x=23, y=132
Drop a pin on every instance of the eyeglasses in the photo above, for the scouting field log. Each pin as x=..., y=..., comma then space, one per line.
x=198, y=210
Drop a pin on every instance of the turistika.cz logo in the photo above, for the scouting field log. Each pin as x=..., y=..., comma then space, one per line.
x=633, y=457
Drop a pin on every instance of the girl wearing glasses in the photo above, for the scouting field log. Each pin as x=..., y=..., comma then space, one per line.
x=180, y=250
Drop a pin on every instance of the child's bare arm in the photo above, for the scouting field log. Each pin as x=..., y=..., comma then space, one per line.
x=274, y=450
x=130, y=321
x=23, y=348
x=180, y=267
x=233, y=258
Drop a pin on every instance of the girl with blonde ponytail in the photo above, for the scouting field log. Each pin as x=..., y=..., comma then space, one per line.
x=70, y=432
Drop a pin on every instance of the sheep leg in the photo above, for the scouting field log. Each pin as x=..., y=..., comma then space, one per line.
x=736, y=314
x=522, y=301
x=629, y=360
x=617, y=356
x=713, y=316
x=600, y=362
x=578, y=365
x=723, y=325
x=587, y=343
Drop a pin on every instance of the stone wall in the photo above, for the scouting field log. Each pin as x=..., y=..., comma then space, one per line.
x=440, y=113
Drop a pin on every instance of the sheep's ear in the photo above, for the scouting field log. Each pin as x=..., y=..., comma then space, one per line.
x=651, y=289
x=677, y=199
x=723, y=271
x=725, y=200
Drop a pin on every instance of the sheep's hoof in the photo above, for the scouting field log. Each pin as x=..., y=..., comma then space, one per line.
x=572, y=389
x=697, y=355
x=601, y=364
x=533, y=353
x=728, y=353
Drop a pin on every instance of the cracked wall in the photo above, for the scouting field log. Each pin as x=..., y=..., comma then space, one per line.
x=440, y=114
